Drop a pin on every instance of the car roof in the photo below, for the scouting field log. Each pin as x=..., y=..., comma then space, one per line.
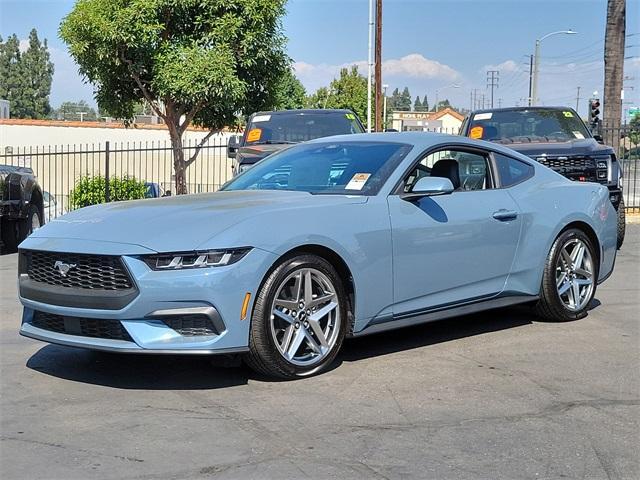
x=520, y=109
x=305, y=111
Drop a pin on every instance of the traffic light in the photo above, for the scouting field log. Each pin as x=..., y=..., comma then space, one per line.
x=594, y=112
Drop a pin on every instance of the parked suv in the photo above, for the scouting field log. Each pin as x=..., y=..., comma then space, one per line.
x=21, y=206
x=556, y=137
x=269, y=132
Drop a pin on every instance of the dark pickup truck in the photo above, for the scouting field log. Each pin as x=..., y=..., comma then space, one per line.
x=556, y=137
x=269, y=132
x=21, y=206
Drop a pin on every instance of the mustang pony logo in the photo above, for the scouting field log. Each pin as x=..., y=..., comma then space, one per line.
x=63, y=268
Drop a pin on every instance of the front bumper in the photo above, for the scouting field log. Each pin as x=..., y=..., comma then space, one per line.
x=218, y=292
x=615, y=195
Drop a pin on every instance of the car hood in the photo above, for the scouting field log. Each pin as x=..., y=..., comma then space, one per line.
x=179, y=223
x=587, y=146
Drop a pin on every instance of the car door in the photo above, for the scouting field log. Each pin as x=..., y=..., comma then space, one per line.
x=457, y=247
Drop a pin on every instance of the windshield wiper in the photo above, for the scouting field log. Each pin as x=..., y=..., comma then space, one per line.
x=273, y=142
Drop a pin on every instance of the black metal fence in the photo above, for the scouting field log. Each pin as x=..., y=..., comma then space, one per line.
x=626, y=142
x=60, y=167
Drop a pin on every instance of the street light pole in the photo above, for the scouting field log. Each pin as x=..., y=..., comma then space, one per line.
x=370, y=75
x=536, y=63
x=384, y=119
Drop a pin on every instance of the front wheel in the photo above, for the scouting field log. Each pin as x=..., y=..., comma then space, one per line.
x=30, y=224
x=299, y=319
x=569, y=279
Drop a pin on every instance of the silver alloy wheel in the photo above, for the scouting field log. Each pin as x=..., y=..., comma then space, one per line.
x=305, y=317
x=574, y=275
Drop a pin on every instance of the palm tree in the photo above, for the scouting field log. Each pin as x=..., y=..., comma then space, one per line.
x=614, y=68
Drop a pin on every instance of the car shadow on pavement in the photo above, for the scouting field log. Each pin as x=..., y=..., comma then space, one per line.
x=440, y=331
x=135, y=372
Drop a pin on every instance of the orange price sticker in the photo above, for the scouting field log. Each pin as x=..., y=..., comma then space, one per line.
x=254, y=135
x=476, y=132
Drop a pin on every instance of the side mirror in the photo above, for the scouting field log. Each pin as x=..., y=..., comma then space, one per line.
x=232, y=146
x=429, y=187
x=598, y=138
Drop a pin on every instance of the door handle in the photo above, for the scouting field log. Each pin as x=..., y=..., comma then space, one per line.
x=505, y=215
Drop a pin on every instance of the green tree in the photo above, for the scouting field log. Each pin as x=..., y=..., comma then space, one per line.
x=71, y=111
x=347, y=91
x=417, y=105
x=290, y=93
x=25, y=78
x=425, y=104
x=634, y=130
x=405, y=100
x=442, y=104
x=193, y=61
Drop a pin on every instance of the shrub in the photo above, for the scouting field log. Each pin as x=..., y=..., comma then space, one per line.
x=91, y=190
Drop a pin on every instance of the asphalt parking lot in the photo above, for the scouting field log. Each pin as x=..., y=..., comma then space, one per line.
x=498, y=395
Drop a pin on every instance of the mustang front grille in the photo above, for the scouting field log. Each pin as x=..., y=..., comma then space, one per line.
x=85, y=327
x=91, y=272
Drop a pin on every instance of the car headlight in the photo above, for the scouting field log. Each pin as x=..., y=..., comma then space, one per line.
x=204, y=259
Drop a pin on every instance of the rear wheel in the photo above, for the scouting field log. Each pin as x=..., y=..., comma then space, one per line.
x=299, y=319
x=621, y=223
x=569, y=279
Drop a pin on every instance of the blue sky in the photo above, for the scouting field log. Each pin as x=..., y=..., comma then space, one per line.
x=428, y=45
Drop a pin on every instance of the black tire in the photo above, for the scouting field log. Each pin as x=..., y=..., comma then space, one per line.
x=25, y=227
x=264, y=356
x=9, y=235
x=622, y=226
x=550, y=305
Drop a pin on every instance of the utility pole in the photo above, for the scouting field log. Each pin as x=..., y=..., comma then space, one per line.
x=531, y=81
x=471, y=101
x=499, y=103
x=493, y=77
x=370, y=72
x=378, y=80
x=614, y=43
x=475, y=99
x=483, y=102
x=578, y=99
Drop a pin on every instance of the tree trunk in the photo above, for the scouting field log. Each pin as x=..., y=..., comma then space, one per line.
x=614, y=70
x=179, y=163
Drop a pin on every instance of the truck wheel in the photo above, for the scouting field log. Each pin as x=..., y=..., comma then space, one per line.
x=30, y=224
x=621, y=223
x=9, y=235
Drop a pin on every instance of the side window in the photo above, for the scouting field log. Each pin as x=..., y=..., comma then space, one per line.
x=512, y=171
x=467, y=171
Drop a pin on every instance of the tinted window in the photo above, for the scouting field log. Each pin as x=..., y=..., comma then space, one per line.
x=354, y=168
x=520, y=126
x=292, y=127
x=512, y=171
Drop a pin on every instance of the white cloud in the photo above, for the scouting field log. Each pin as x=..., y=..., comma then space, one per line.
x=414, y=66
x=508, y=66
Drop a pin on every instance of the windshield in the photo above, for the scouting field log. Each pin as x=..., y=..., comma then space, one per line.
x=518, y=126
x=353, y=168
x=300, y=127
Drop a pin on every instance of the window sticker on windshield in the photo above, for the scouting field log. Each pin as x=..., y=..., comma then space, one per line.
x=483, y=116
x=254, y=135
x=261, y=118
x=568, y=114
x=350, y=116
x=578, y=135
x=476, y=132
x=357, y=181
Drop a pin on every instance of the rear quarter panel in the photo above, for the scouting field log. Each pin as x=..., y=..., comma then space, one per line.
x=549, y=203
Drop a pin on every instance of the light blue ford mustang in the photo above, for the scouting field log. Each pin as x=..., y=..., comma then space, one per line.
x=342, y=236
